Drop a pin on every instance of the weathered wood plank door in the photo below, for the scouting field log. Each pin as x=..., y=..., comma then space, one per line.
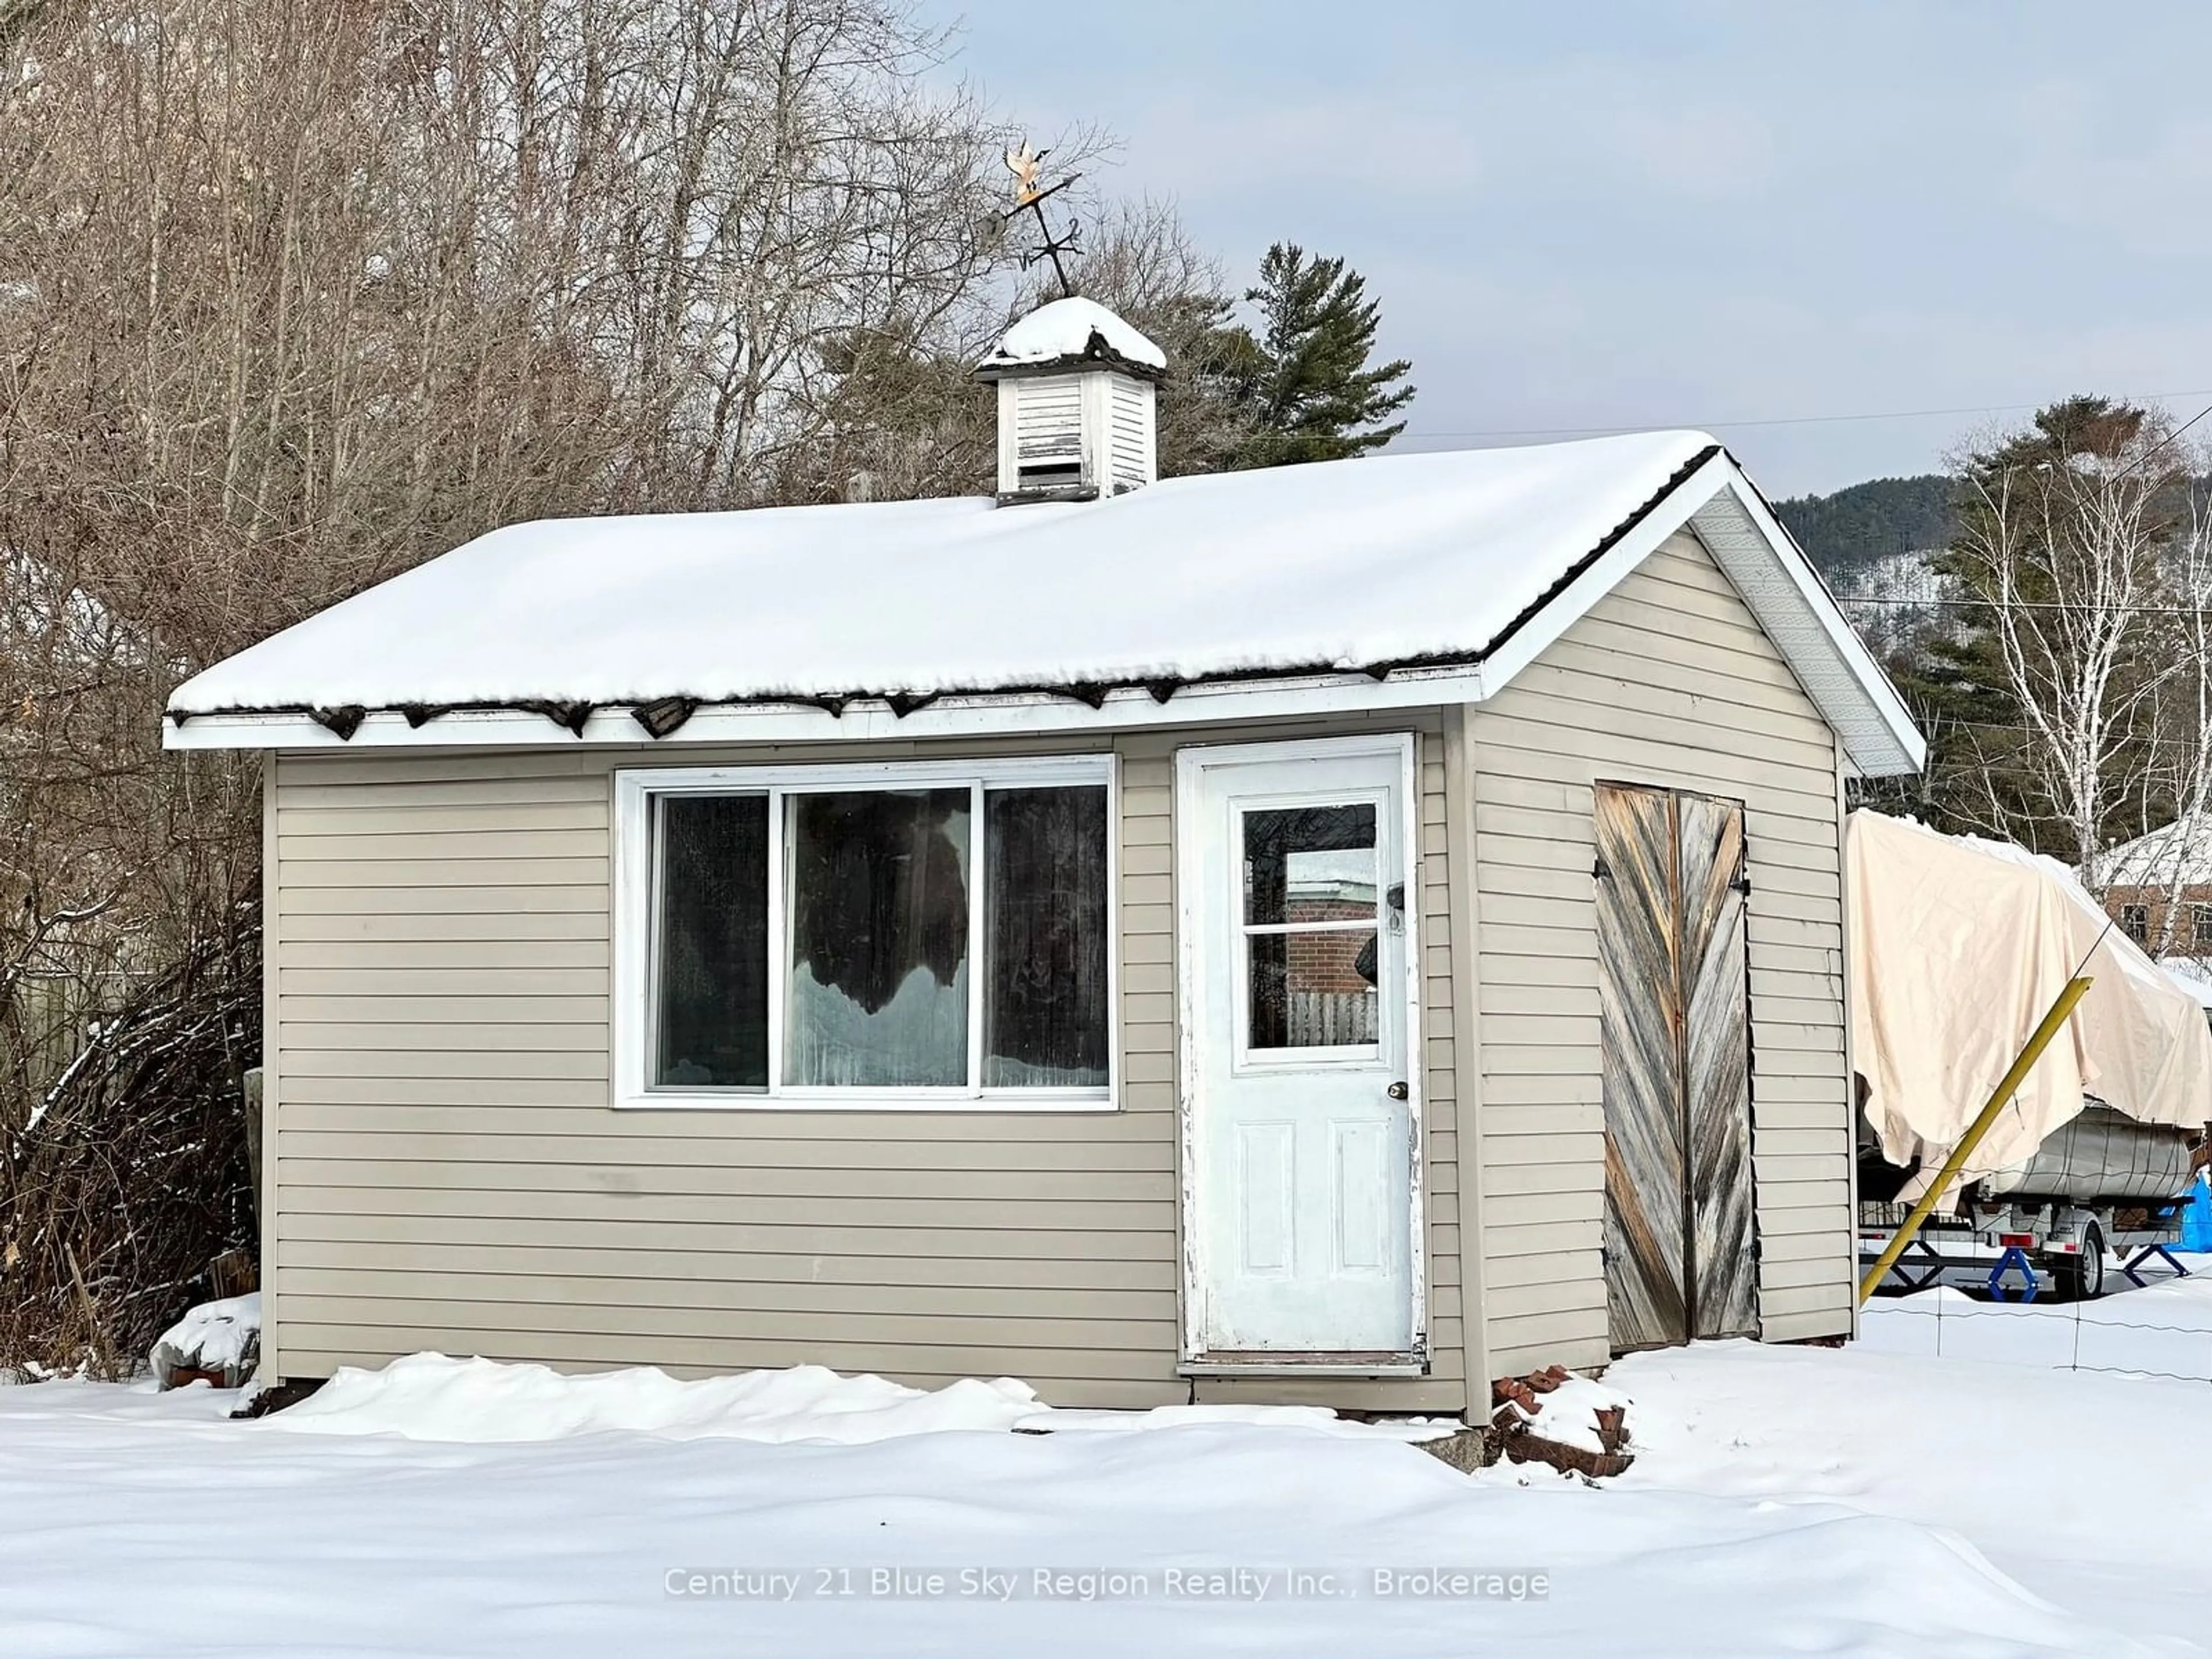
x=1680, y=1244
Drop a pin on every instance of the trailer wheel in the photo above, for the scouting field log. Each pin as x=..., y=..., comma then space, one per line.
x=2083, y=1279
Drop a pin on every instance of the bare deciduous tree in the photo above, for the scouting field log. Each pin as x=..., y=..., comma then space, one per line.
x=2177, y=638
x=295, y=296
x=2065, y=546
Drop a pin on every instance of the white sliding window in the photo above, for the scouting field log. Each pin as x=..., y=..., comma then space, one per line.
x=873, y=936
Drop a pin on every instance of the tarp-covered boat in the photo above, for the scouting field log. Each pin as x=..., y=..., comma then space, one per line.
x=1958, y=945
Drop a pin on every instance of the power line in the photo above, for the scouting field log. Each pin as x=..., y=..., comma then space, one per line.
x=1784, y=420
x=2170, y=439
x=2138, y=739
x=2035, y=604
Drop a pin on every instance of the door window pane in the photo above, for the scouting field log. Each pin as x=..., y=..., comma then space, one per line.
x=1313, y=989
x=878, y=901
x=1305, y=864
x=1045, y=1019
x=711, y=974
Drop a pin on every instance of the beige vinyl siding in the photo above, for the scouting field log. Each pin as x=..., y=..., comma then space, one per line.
x=1668, y=681
x=447, y=1172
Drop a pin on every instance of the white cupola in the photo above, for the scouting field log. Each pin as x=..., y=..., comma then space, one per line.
x=1077, y=389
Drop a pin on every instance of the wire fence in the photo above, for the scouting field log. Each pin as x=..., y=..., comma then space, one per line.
x=2126, y=1332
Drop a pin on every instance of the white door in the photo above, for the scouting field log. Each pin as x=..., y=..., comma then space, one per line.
x=1297, y=1008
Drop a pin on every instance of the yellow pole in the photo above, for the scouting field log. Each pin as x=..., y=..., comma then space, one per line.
x=2037, y=1042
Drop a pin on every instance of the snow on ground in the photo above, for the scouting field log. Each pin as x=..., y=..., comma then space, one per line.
x=1315, y=1419
x=430, y=1396
x=134, y=1524
x=2087, y=1487
x=2165, y=1329
x=1790, y=1501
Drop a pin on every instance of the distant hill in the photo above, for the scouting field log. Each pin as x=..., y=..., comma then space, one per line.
x=1845, y=533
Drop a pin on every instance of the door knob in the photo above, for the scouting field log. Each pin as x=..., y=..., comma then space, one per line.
x=1396, y=1092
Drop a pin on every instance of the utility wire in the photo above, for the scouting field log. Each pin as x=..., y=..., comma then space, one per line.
x=2033, y=605
x=1784, y=420
x=2168, y=439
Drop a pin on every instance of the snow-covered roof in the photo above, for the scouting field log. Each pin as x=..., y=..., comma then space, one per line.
x=1068, y=331
x=2180, y=853
x=1387, y=582
x=2193, y=975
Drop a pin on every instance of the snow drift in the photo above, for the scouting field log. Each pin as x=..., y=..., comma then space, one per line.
x=430, y=1396
x=1789, y=1501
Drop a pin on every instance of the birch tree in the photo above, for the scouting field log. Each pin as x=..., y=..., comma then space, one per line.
x=2050, y=692
x=2179, y=801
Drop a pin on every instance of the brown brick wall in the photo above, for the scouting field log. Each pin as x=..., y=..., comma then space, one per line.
x=1325, y=962
x=2143, y=912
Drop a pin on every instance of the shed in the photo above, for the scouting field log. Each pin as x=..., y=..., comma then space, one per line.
x=1335, y=933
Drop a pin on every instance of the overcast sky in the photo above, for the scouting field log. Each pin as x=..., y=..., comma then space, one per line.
x=1597, y=214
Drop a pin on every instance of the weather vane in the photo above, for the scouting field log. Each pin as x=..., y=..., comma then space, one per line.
x=1030, y=196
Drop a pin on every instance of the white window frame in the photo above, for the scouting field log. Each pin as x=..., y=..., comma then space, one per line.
x=1248, y=1061
x=636, y=872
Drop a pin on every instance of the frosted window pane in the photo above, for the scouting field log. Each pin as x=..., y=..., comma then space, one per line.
x=711, y=1025
x=1045, y=1013
x=877, y=902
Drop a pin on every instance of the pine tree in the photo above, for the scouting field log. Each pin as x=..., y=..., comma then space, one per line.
x=1304, y=382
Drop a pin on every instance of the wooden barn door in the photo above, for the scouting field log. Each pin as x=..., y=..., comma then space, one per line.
x=1680, y=1253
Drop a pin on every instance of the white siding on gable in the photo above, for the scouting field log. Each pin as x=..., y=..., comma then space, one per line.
x=1668, y=680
